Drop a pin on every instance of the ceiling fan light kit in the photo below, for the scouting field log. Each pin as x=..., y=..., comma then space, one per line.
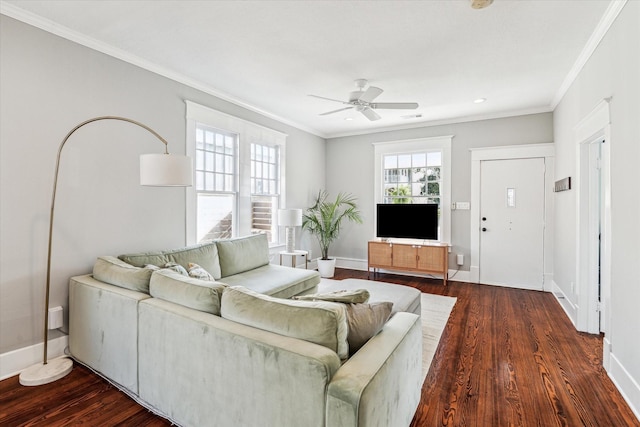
x=362, y=101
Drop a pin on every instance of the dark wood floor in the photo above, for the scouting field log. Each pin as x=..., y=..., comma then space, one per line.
x=507, y=357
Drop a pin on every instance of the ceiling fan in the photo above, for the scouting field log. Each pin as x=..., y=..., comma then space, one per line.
x=362, y=101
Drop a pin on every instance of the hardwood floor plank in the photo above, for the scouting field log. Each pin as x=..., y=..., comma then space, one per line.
x=507, y=357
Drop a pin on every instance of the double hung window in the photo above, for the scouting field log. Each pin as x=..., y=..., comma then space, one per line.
x=216, y=178
x=239, y=173
x=265, y=189
x=416, y=171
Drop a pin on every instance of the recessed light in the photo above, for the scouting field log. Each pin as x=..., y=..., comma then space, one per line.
x=479, y=100
x=348, y=118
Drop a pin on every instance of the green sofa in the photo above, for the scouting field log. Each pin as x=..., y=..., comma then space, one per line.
x=191, y=350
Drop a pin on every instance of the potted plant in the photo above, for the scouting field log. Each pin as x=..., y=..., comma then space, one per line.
x=324, y=220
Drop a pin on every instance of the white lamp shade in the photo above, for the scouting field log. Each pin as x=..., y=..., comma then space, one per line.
x=165, y=170
x=290, y=217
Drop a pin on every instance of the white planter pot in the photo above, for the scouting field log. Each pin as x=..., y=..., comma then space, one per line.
x=326, y=267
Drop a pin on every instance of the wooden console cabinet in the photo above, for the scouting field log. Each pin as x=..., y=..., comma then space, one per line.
x=420, y=258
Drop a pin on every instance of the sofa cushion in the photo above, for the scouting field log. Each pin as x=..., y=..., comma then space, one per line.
x=202, y=295
x=116, y=272
x=364, y=320
x=205, y=255
x=319, y=322
x=277, y=281
x=242, y=254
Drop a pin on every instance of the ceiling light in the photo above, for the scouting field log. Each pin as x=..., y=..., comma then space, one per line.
x=480, y=4
x=348, y=118
x=479, y=100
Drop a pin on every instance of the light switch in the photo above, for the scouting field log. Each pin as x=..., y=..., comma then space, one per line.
x=463, y=205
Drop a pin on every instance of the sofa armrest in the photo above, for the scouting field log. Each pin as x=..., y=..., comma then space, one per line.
x=103, y=328
x=381, y=384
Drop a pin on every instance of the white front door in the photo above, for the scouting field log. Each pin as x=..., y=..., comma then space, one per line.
x=512, y=222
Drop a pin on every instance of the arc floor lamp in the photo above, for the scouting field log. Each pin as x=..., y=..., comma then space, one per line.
x=163, y=170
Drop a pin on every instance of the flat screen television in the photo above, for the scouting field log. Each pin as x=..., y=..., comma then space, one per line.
x=408, y=221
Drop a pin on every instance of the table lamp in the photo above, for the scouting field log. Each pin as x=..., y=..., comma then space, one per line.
x=290, y=218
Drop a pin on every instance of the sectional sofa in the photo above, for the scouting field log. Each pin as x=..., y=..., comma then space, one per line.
x=236, y=350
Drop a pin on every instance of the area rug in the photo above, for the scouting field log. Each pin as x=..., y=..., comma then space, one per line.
x=435, y=313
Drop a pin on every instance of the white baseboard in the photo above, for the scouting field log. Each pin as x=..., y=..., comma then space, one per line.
x=625, y=383
x=569, y=308
x=13, y=362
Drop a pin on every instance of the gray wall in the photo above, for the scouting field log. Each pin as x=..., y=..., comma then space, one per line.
x=350, y=167
x=612, y=71
x=48, y=85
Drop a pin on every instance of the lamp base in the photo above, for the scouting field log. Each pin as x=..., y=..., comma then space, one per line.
x=46, y=373
x=290, y=238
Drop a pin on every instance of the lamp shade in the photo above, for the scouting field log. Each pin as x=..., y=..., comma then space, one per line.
x=290, y=217
x=165, y=170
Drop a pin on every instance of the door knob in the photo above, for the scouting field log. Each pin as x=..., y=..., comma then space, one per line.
x=484, y=229
x=484, y=218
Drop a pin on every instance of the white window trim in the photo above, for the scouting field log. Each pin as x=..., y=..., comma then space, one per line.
x=247, y=132
x=420, y=145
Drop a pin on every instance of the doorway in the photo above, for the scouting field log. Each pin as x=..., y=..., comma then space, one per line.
x=512, y=223
x=513, y=152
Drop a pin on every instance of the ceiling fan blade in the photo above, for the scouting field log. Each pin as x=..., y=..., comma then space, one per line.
x=370, y=114
x=395, y=105
x=370, y=94
x=328, y=99
x=335, y=111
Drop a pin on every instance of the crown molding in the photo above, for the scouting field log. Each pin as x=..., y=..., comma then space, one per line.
x=81, y=39
x=465, y=119
x=610, y=15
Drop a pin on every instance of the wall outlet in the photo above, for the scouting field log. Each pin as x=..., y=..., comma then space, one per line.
x=460, y=259
x=55, y=317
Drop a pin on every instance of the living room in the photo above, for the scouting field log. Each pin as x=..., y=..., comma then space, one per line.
x=51, y=82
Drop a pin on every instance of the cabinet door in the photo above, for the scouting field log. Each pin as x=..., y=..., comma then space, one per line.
x=431, y=258
x=404, y=256
x=380, y=254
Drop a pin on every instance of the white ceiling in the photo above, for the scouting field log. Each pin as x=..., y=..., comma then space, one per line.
x=269, y=55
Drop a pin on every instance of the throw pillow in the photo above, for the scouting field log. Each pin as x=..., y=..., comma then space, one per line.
x=365, y=321
x=111, y=270
x=198, y=272
x=355, y=296
x=177, y=268
x=198, y=294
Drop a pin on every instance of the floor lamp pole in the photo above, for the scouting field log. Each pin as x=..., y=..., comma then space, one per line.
x=47, y=371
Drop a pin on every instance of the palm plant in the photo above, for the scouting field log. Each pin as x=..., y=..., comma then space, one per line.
x=324, y=218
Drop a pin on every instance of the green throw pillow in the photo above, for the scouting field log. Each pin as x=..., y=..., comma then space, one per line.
x=355, y=296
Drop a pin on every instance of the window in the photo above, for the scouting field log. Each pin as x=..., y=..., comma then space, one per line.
x=239, y=174
x=413, y=178
x=416, y=171
x=215, y=182
x=265, y=189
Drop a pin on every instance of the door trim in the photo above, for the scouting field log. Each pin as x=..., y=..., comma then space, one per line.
x=547, y=151
x=594, y=126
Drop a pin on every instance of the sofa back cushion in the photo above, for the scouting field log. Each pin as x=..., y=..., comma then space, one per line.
x=202, y=295
x=242, y=254
x=116, y=272
x=205, y=255
x=319, y=322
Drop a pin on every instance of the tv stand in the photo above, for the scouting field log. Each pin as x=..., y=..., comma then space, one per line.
x=431, y=258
